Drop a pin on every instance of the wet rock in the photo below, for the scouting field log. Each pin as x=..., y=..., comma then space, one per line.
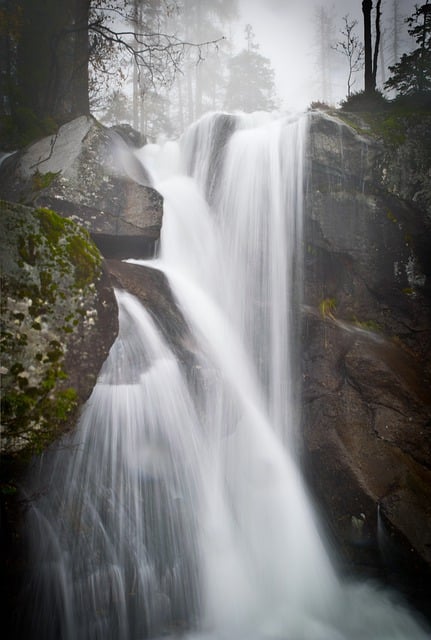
x=367, y=342
x=132, y=137
x=152, y=289
x=90, y=174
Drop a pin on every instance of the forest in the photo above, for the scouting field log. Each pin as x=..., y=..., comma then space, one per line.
x=159, y=65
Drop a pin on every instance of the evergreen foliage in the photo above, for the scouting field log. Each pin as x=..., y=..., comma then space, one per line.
x=412, y=74
x=251, y=81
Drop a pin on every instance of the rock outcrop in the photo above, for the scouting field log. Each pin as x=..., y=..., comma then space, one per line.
x=58, y=322
x=366, y=359
x=89, y=173
x=152, y=289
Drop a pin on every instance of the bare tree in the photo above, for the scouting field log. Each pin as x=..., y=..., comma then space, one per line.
x=350, y=47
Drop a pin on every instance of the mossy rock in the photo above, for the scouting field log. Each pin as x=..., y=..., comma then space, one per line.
x=51, y=274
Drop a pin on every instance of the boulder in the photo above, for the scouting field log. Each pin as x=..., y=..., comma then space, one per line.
x=58, y=322
x=90, y=174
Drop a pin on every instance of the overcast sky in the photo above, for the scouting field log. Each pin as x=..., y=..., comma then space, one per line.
x=286, y=33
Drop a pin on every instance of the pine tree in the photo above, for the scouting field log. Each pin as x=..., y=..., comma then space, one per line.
x=251, y=79
x=412, y=74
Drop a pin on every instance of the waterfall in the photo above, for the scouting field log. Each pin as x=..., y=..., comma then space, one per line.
x=178, y=508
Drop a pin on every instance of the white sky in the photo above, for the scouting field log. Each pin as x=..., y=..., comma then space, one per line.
x=285, y=31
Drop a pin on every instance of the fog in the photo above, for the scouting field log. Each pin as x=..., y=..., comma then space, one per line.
x=286, y=31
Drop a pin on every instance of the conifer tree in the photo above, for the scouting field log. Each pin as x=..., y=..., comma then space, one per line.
x=412, y=74
x=251, y=84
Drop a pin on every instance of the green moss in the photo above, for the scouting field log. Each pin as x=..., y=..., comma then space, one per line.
x=392, y=124
x=27, y=249
x=65, y=402
x=86, y=259
x=353, y=124
x=390, y=216
x=392, y=130
x=79, y=249
x=8, y=489
x=368, y=325
x=327, y=307
x=408, y=239
x=43, y=180
x=52, y=225
x=35, y=416
x=44, y=299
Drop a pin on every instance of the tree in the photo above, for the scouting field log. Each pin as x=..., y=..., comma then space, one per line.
x=10, y=27
x=367, y=6
x=36, y=68
x=376, y=42
x=396, y=29
x=58, y=42
x=412, y=74
x=251, y=79
x=117, y=109
x=202, y=84
x=370, y=57
x=352, y=49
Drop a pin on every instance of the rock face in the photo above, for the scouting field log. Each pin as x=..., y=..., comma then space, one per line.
x=152, y=288
x=366, y=361
x=58, y=322
x=89, y=173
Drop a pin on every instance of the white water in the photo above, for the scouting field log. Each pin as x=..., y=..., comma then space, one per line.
x=174, y=509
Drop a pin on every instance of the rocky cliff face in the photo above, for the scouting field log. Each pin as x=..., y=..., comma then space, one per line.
x=366, y=347
x=365, y=322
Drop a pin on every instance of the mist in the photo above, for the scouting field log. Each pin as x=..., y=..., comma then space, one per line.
x=294, y=62
x=286, y=31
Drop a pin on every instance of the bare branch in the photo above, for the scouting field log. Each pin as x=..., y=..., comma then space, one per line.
x=352, y=49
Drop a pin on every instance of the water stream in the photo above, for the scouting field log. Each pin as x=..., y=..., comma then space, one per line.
x=177, y=509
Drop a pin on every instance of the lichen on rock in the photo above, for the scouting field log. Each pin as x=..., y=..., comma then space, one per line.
x=50, y=278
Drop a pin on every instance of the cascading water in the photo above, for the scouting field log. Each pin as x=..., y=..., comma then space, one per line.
x=177, y=507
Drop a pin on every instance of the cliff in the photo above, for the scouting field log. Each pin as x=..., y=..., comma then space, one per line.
x=366, y=339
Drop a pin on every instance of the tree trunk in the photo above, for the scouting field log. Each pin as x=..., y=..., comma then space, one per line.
x=367, y=6
x=6, y=75
x=181, y=114
x=52, y=59
x=396, y=32
x=136, y=83
x=79, y=94
x=377, y=43
x=426, y=9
